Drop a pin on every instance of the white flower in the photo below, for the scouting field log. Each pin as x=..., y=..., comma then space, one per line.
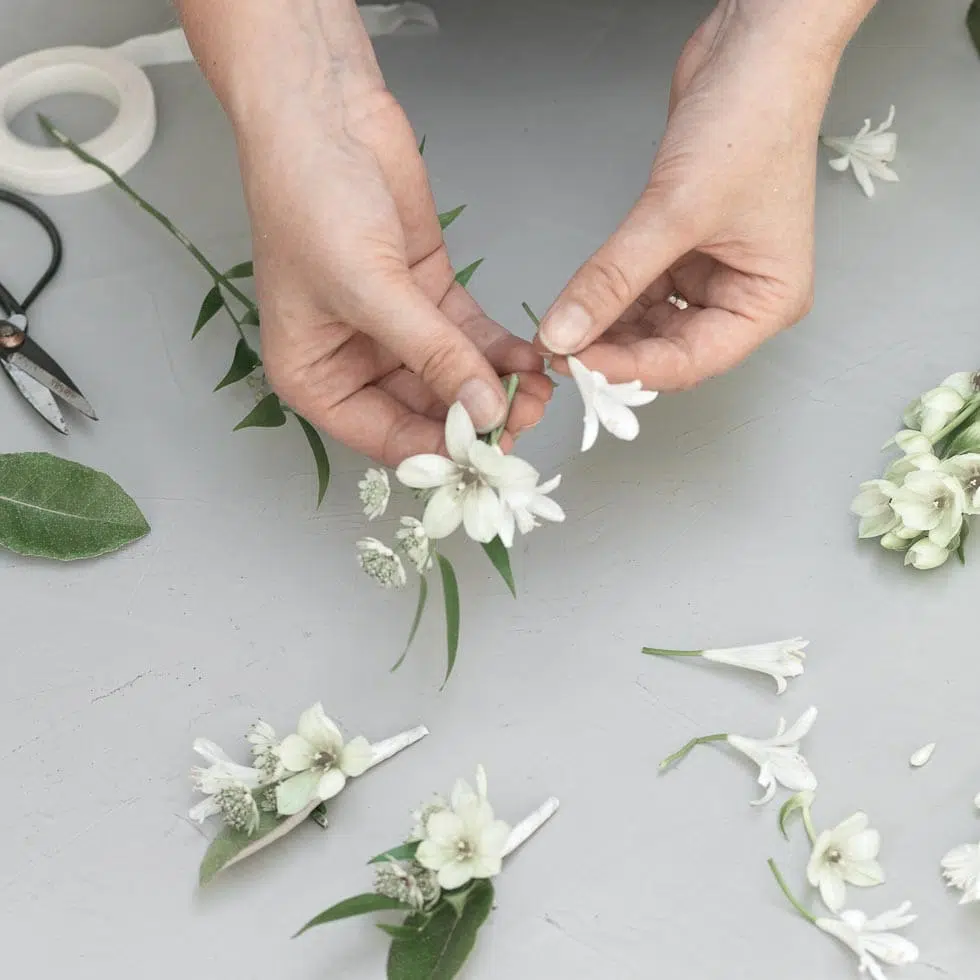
x=220, y=775
x=411, y=884
x=966, y=469
x=873, y=505
x=465, y=841
x=421, y=816
x=961, y=869
x=522, y=506
x=381, y=563
x=320, y=759
x=375, y=492
x=867, y=153
x=910, y=441
x=926, y=555
x=414, y=544
x=262, y=739
x=932, y=502
x=872, y=940
x=901, y=468
x=932, y=411
x=466, y=483
x=610, y=405
x=846, y=855
x=778, y=758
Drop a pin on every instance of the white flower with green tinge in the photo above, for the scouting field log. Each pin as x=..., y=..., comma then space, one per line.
x=381, y=563
x=414, y=544
x=966, y=469
x=873, y=505
x=465, y=841
x=845, y=855
x=926, y=555
x=900, y=468
x=375, y=492
x=933, y=410
x=873, y=941
x=931, y=502
x=868, y=153
x=780, y=660
x=608, y=405
x=522, y=506
x=320, y=760
x=262, y=739
x=910, y=441
x=961, y=869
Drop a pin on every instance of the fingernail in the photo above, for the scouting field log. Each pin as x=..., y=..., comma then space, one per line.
x=484, y=403
x=565, y=331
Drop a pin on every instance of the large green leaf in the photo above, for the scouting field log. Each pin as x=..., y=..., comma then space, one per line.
x=445, y=941
x=244, y=362
x=320, y=457
x=500, y=559
x=54, y=508
x=210, y=308
x=450, y=592
x=358, y=905
x=268, y=414
x=419, y=609
x=448, y=217
x=973, y=23
x=403, y=852
x=464, y=276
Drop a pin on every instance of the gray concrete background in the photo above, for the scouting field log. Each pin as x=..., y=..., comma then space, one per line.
x=726, y=523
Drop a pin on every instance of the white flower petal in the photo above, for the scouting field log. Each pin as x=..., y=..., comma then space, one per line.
x=330, y=784
x=443, y=513
x=617, y=418
x=427, y=471
x=481, y=514
x=460, y=434
x=356, y=757
x=296, y=754
x=319, y=730
x=296, y=792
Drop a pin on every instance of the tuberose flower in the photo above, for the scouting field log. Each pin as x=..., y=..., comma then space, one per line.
x=609, y=405
x=320, y=760
x=845, y=855
x=961, y=869
x=381, y=563
x=414, y=544
x=522, y=506
x=867, y=153
x=931, y=502
x=375, y=492
x=873, y=941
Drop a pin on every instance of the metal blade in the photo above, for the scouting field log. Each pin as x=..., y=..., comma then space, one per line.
x=36, y=364
x=38, y=396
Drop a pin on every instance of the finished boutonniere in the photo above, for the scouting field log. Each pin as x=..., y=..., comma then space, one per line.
x=288, y=781
x=442, y=880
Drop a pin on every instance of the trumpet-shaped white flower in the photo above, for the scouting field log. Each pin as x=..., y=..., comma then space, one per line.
x=873, y=941
x=846, y=855
x=931, y=502
x=381, y=563
x=465, y=841
x=609, y=405
x=375, y=492
x=873, y=505
x=222, y=781
x=966, y=469
x=867, y=153
x=414, y=544
x=910, y=441
x=932, y=411
x=320, y=760
x=779, y=758
x=898, y=470
x=466, y=483
x=522, y=506
x=961, y=869
x=926, y=555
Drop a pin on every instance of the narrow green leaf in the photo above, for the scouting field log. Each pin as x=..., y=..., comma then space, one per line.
x=500, y=559
x=967, y=440
x=358, y=905
x=450, y=592
x=534, y=319
x=973, y=23
x=448, y=217
x=251, y=318
x=268, y=414
x=419, y=609
x=422, y=147
x=244, y=270
x=55, y=508
x=403, y=852
x=464, y=276
x=210, y=308
x=446, y=939
x=961, y=547
x=320, y=457
x=243, y=364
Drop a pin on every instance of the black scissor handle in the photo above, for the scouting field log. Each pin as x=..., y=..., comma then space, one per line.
x=54, y=236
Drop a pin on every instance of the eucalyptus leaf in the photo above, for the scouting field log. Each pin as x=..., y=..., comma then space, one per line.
x=55, y=508
x=450, y=592
x=403, y=852
x=243, y=363
x=419, y=610
x=268, y=414
x=464, y=276
x=448, y=217
x=500, y=559
x=358, y=905
x=244, y=270
x=531, y=314
x=320, y=457
x=445, y=941
x=213, y=302
x=973, y=23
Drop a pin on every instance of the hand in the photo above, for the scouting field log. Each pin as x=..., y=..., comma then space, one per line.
x=726, y=219
x=364, y=330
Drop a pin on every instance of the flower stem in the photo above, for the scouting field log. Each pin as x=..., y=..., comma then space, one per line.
x=530, y=825
x=202, y=260
x=965, y=415
x=809, y=916
x=687, y=749
x=512, y=382
x=657, y=652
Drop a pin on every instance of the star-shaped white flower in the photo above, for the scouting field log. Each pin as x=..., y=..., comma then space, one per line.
x=320, y=759
x=932, y=502
x=846, y=855
x=873, y=941
x=867, y=153
x=961, y=869
x=873, y=505
x=609, y=405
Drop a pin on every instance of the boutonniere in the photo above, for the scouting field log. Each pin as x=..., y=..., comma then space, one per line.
x=441, y=879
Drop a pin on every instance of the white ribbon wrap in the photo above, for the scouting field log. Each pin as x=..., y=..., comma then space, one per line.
x=116, y=75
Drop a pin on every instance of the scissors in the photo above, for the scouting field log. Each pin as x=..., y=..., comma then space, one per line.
x=37, y=376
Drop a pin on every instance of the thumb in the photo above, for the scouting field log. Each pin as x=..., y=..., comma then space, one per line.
x=644, y=247
x=403, y=319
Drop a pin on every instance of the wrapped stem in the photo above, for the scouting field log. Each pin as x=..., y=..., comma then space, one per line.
x=385, y=749
x=530, y=825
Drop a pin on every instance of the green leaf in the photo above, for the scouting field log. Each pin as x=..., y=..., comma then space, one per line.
x=450, y=592
x=403, y=852
x=967, y=440
x=961, y=547
x=422, y=147
x=534, y=319
x=445, y=941
x=419, y=609
x=401, y=932
x=973, y=23
x=320, y=457
x=244, y=270
x=448, y=217
x=464, y=276
x=243, y=364
x=500, y=559
x=251, y=318
x=358, y=905
x=268, y=414
x=54, y=508
x=210, y=308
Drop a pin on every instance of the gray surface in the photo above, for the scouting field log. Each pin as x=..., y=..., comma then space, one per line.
x=726, y=523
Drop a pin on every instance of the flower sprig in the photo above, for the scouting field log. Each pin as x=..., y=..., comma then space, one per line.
x=441, y=879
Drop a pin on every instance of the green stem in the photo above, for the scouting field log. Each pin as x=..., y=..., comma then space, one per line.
x=512, y=384
x=965, y=414
x=809, y=916
x=534, y=319
x=235, y=320
x=687, y=749
x=202, y=260
x=657, y=652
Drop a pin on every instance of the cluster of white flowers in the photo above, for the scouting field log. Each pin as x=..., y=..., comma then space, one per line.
x=867, y=154
x=920, y=504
